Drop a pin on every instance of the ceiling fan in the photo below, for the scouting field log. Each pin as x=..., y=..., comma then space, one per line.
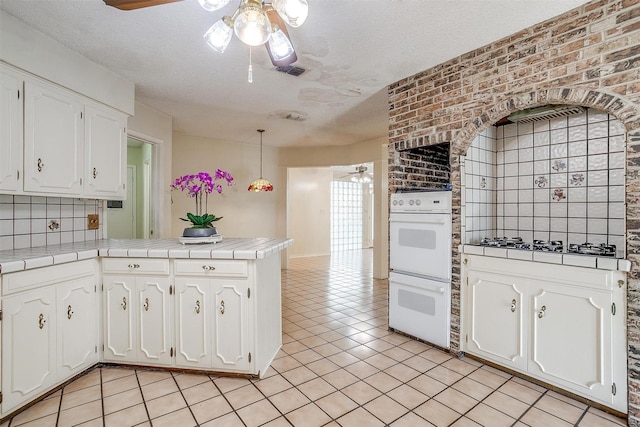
x=255, y=23
x=359, y=175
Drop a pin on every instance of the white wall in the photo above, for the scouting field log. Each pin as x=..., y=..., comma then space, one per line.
x=309, y=202
x=32, y=51
x=246, y=214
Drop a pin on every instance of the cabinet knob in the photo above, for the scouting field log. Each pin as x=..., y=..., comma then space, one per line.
x=40, y=165
x=542, y=312
x=208, y=268
x=69, y=312
x=134, y=266
x=124, y=303
x=41, y=321
x=513, y=305
x=221, y=308
x=198, y=307
x=146, y=304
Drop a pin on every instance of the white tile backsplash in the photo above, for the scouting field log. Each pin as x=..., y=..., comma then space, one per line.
x=24, y=221
x=562, y=179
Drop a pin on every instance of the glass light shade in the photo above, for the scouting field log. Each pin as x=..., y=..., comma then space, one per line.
x=212, y=5
x=362, y=179
x=219, y=35
x=260, y=184
x=293, y=11
x=280, y=46
x=251, y=25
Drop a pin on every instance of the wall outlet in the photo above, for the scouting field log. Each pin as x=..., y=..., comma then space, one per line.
x=93, y=221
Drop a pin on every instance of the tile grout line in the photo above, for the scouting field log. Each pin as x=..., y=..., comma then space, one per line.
x=185, y=401
x=144, y=400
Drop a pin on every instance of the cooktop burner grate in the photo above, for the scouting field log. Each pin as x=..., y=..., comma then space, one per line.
x=556, y=246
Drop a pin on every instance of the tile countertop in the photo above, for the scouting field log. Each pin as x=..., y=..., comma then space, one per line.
x=242, y=248
x=589, y=261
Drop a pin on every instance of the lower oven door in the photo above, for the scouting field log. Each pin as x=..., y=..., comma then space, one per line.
x=420, y=307
x=420, y=244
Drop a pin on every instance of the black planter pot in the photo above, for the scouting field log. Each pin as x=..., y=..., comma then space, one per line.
x=199, y=232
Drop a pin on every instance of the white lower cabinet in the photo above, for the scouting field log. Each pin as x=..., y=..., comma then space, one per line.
x=563, y=325
x=213, y=315
x=49, y=329
x=137, y=311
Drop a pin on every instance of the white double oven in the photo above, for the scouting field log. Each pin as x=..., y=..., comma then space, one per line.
x=420, y=263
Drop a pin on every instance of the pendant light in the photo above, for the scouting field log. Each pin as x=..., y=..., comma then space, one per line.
x=261, y=184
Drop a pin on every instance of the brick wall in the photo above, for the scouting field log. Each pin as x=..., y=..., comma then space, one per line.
x=423, y=167
x=589, y=56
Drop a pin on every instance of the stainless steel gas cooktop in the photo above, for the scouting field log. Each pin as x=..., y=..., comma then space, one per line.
x=599, y=249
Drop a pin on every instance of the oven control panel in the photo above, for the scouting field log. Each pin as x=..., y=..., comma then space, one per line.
x=427, y=202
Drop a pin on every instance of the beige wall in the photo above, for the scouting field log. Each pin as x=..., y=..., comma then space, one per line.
x=246, y=214
x=308, y=211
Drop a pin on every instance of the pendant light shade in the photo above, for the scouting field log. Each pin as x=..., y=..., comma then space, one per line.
x=260, y=184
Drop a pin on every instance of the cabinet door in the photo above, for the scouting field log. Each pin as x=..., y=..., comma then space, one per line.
x=496, y=319
x=193, y=322
x=231, y=325
x=105, y=153
x=571, y=341
x=53, y=140
x=11, y=98
x=77, y=326
x=29, y=346
x=154, y=320
x=119, y=320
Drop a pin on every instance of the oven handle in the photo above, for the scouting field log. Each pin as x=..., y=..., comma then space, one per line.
x=439, y=290
x=421, y=221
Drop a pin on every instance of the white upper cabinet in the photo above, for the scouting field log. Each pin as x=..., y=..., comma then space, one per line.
x=53, y=140
x=11, y=99
x=105, y=153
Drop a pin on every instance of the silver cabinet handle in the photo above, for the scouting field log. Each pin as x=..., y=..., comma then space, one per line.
x=146, y=304
x=40, y=165
x=208, y=268
x=41, y=321
x=124, y=303
x=95, y=173
x=221, y=308
x=513, y=305
x=133, y=266
x=542, y=312
x=198, y=307
x=69, y=312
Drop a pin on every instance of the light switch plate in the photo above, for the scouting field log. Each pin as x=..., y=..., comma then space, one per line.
x=93, y=221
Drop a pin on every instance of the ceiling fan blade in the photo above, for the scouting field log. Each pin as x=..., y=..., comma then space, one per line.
x=136, y=4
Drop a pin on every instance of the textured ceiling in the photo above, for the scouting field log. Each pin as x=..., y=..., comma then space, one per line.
x=352, y=49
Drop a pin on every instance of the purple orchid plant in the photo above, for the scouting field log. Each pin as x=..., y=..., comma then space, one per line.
x=199, y=186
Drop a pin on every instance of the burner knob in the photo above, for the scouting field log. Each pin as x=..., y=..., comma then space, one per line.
x=395, y=202
x=401, y=202
x=410, y=202
x=418, y=202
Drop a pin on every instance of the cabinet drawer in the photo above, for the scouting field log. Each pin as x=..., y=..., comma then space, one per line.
x=39, y=277
x=135, y=266
x=211, y=267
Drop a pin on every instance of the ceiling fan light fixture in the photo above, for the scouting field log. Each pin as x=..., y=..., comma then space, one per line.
x=251, y=24
x=219, y=35
x=280, y=46
x=213, y=5
x=293, y=11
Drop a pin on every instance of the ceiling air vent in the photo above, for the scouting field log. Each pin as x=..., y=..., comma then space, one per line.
x=292, y=70
x=298, y=116
x=547, y=112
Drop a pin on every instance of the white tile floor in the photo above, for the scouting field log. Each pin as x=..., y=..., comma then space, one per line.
x=339, y=366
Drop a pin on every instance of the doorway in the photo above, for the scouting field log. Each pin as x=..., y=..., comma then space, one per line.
x=132, y=218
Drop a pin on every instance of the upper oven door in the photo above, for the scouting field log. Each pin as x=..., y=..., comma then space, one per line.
x=420, y=244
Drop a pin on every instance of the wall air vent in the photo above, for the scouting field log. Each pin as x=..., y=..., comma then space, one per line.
x=292, y=70
x=546, y=112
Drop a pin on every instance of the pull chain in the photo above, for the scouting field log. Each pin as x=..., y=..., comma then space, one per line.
x=250, y=76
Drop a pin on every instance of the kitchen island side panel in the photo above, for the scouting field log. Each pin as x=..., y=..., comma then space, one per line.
x=268, y=309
